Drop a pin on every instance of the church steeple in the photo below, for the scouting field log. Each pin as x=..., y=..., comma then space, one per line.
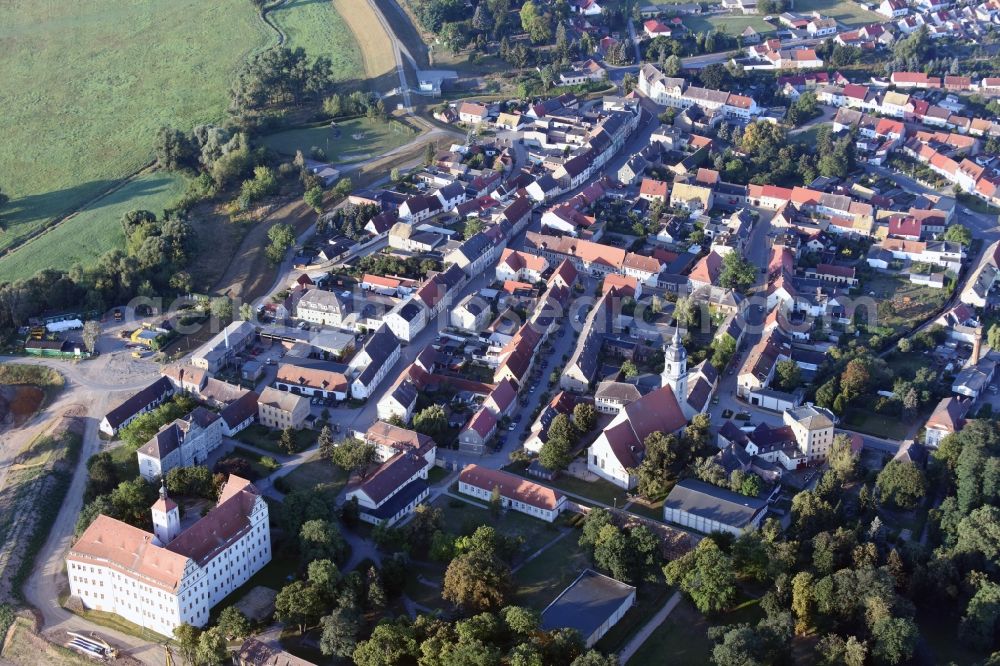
x=675, y=366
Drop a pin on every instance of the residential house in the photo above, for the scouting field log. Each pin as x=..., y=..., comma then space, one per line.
x=279, y=409
x=516, y=492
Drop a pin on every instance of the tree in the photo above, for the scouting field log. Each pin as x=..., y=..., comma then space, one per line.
x=629, y=369
x=595, y=658
x=390, y=643
x=737, y=273
x=173, y=149
x=802, y=601
x=314, y=198
x=841, y=458
x=281, y=237
x=340, y=629
x=901, y=484
x=993, y=336
x=232, y=624
x=376, y=593
x=222, y=308
x=211, y=650
x=723, y=348
x=321, y=540
x=325, y=442
x=431, y=421
x=298, y=604
x=685, y=311
x=895, y=639
x=473, y=226
x=91, y=333
x=536, y=23
x=556, y=453
x=706, y=575
x=496, y=502
x=482, y=18
x=187, y=640
x=353, y=454
x=325, y=577
x=287, y=441
x=672, y=65
x=788, y=374
x=979, y=624
x=584, y=417
x=958, y=233
x=714, y=76
x=477, y=581
x=395, y=175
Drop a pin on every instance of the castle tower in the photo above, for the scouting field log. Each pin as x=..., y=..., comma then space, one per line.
x=675, y=367
x=166, y=518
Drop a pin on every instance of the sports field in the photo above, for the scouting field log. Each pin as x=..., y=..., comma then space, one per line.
x=95, y=229
x=315, y=26
x=349, y=141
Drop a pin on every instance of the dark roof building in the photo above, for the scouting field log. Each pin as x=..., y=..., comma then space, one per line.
x=592, y=604
x=707, y=508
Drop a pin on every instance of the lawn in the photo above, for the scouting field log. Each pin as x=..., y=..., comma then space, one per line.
x=847, y=12
x=314, y=471
x=807, y=136
x=910, y=303
x=99, y=223
x=886, y=427
x=317, y=27
x=88, y=84
x=349, y=141
x=728, y=23
x=542, y=579
x=253, y=458
x=682, y=639
x=264, y=438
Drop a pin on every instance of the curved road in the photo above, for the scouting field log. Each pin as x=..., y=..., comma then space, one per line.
x=48, y=579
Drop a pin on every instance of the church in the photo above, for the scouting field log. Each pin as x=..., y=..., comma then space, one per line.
x=174, y=575
x=681, y=395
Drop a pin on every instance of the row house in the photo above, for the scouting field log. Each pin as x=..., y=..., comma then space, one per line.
x=675, y=92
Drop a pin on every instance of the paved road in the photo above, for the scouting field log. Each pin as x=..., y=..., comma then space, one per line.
x=397, y=52
x=48, y=578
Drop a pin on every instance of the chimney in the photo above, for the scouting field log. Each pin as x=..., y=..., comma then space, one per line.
x=976, y=347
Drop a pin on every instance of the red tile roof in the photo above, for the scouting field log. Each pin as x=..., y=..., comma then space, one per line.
x=511, y=486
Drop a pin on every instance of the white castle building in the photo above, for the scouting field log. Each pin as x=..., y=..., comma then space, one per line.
x=171, y=577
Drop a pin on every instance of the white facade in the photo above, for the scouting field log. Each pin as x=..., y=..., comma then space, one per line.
x=161, y=587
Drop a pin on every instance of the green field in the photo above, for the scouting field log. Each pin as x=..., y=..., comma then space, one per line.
x=349, y=141
x=848, y=13
x=95, y=229
x=728, y=23
x=315, y=26
x=87, y=84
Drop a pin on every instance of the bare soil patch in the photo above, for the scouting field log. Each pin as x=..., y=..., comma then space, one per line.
x=35, y=488
x=19, y=403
